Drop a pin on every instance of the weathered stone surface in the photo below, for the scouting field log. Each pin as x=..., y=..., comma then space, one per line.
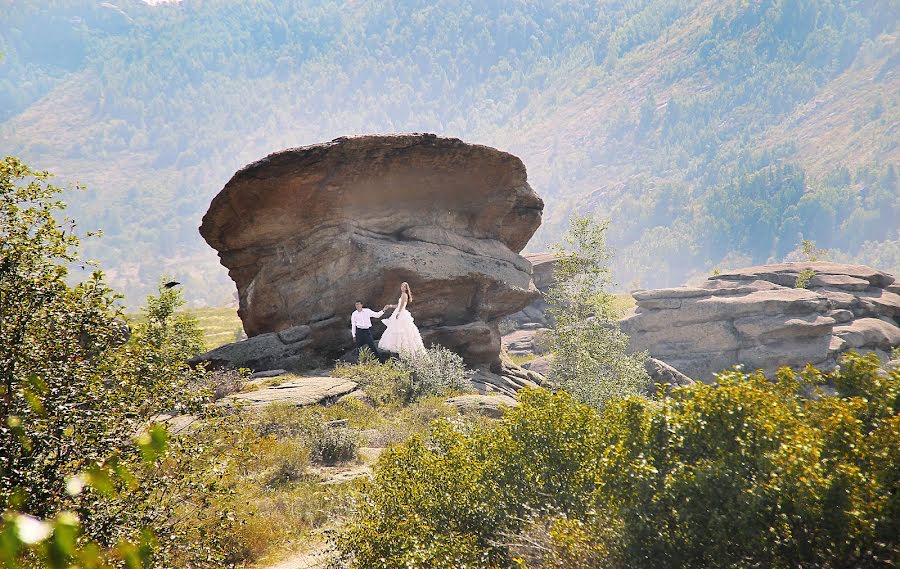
x=841, y=316
x=785, y=274
x=542, y=274
x=300, y=391
x=755, y=317
x=542, y=265
x=522, y=342
x=306, y=231
x=505, y=378
x=791, y=352
x=879, y=302
x=487, y=405
x=539, y=365
x=869, y=333
x=767, y=329
x=263, y=352
x=715, y=336
x=845, y=282
x=268, y=373
x=662, y=373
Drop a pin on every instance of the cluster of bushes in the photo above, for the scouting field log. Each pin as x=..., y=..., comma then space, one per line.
x=749, y=472
x=435, y=372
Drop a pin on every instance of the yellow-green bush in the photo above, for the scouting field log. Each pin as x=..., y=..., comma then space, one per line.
x=745, y=473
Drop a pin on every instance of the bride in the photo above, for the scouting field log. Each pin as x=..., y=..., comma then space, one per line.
x=401, y=336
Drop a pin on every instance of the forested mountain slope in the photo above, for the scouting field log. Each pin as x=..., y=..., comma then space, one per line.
x=710, y=133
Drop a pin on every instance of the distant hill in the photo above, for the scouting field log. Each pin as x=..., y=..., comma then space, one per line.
x=712, y=134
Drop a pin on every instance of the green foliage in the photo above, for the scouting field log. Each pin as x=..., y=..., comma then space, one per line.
x=178, y=336
x=744, y=473
x=336, y=445
x=803, y=278
x=435, y=372
x=75, y=393
x=382, y=382
x=810, y=252
x=590, y=351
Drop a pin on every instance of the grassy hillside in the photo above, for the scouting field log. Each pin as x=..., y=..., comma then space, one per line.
x=711, y=133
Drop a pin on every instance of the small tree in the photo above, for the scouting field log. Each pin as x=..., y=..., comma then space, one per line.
x=175, y=335
x=591, y=359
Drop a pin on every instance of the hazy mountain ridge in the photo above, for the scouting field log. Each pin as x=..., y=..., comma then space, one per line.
x=164, y=103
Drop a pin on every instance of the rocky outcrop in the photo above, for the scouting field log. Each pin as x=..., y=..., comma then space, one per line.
x=757, y=318
x=306, y=231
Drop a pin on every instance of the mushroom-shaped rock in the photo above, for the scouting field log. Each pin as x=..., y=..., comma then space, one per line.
x=307, y=231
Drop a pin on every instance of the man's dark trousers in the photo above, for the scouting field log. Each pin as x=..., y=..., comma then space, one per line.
x=364, y=338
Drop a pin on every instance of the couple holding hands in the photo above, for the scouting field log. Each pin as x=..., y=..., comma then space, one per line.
x=401, y=335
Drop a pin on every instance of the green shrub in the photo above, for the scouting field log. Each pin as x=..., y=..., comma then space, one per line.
x=335, y=445
x=803, y=278
x=744, y=473
x=288, y=461
x=380, y=381
x=436, y=371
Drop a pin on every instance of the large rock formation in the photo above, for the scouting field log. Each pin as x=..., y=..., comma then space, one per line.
x=306, y=231
x=757, y=318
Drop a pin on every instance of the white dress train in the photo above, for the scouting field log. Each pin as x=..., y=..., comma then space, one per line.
x=401, y=336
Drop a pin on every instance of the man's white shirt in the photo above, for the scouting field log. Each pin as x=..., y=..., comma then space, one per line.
x=362, y=319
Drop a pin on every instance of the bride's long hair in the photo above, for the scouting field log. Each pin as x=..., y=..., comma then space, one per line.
x=405, y=285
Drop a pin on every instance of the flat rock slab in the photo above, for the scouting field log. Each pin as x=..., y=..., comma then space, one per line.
x=486, y=405
x=300, y=391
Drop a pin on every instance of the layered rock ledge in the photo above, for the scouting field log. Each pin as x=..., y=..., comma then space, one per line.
x=756, y=317
x=306, y=231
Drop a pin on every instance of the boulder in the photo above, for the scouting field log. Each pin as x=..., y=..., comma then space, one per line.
x=539, y=365
x=755, y=317
x=869, y=333
x=491, y=406
x=265, y=352
x=307, y=231
x=662, y=373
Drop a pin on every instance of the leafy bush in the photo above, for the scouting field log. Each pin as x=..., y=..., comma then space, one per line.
x=288, y=461
x=380, y=381
x=436, y=371
x=591, y=359
x=745, y=473
x=325, y=443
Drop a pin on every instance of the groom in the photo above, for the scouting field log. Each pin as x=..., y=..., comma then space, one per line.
x=361, y=327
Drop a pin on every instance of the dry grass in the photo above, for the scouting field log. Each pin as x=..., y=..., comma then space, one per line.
x=220, y=325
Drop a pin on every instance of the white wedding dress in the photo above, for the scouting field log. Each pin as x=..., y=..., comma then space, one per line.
x=401, y=336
